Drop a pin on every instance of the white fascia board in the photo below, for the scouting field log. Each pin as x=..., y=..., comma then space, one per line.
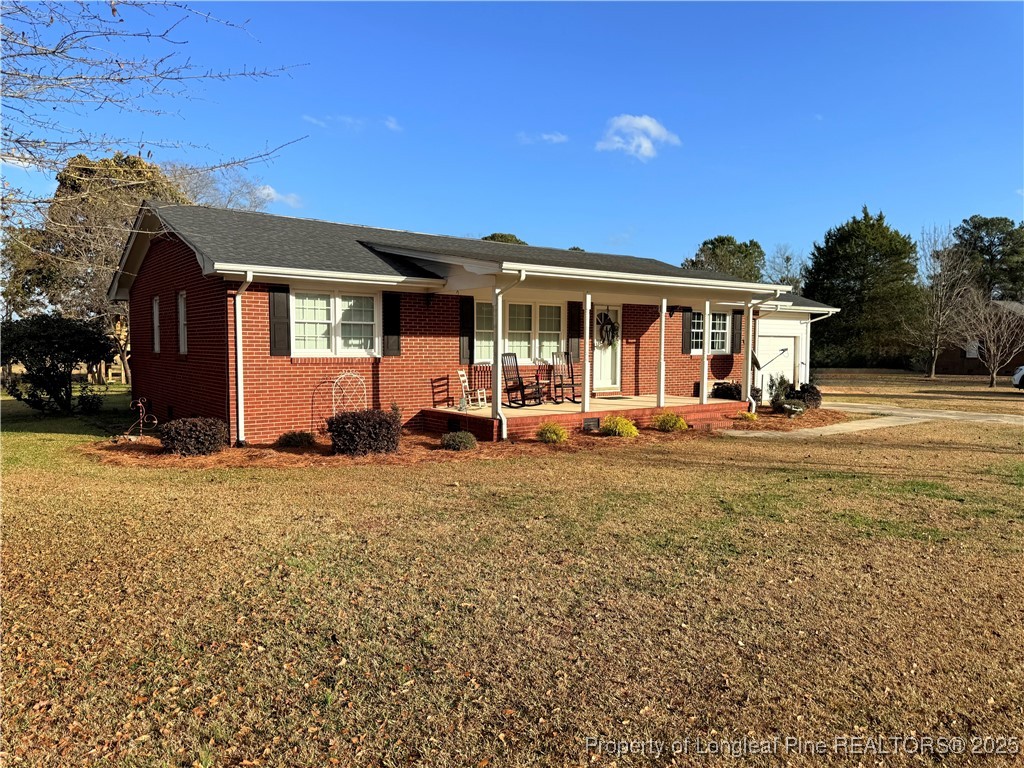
x=235, y=270
x=475, y=266
x=626, y=277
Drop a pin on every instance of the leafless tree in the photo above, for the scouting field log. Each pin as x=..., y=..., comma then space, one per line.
x=63, y=60
x=996, y=327
x=785, y=267
x=222, y=188
x=946, y=276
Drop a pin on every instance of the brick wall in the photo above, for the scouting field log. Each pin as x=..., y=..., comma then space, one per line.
x=176, y=385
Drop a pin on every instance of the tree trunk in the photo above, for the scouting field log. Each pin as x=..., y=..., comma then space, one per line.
x=935, y=359
x=126, y=372
x=992, y=377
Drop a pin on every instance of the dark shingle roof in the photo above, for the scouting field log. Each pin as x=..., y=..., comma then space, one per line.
x=266, y=240
x=803, y=302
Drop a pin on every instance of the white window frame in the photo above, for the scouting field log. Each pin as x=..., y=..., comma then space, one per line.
x=182, y=323
x=534, y=356
x=476, y=332
x=728, y=335
x=156, y=325
x=336, y=349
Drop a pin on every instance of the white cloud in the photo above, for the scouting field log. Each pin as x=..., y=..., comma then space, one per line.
x=554, y=137
x=392, y=124
x=818, y=116
x=636, y=135
x=17, y=161
x=1020, y=192
x=272, y=195
x=315, y=121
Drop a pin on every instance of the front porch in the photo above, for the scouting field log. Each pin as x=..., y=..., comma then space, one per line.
x=523, y=422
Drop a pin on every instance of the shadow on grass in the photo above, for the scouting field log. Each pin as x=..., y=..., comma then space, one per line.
x=112, y=419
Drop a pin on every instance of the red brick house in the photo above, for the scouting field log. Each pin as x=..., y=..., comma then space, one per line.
x=271, y=323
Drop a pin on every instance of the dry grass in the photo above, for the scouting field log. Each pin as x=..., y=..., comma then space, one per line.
x=476, y=611
x=912, y=390
x=780, y=422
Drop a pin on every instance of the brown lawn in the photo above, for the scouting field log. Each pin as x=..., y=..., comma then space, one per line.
x=914, y=390
x=500, y=610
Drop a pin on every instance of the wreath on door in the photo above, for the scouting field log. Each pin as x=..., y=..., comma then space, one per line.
x=607, y=329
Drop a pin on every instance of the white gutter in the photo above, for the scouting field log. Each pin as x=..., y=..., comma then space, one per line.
x=496, y=380
x=239, y=370
x=231, y=270
x=652, y=280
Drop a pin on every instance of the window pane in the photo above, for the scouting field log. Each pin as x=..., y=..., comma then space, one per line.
x=357, y=335
x=484, y=346
x=357, y=309
x=484, y=317
x=313, y=322
x=697, y=331
x=550, y=319
x=520, y=318
x=549, y=343
x=519, y=343
x=719, y=327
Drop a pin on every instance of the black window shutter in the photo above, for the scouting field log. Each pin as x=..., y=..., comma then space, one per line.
x=574, y=329
x=737, y=331
x=466, y=330
x=687, y=327
x=280, y=328
x=391, y=324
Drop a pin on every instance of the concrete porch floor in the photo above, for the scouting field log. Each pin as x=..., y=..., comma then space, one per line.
x=597, y=405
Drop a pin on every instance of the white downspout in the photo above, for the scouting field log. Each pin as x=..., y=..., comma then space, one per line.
x=496, y=380
x=239, y=370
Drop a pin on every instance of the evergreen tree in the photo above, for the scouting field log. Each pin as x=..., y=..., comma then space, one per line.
x=867, y=269
x=996, y=249
x=725, y=254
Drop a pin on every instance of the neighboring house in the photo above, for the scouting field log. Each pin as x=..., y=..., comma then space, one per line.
x=272, y=323
x=965, y=361
x=784, y=339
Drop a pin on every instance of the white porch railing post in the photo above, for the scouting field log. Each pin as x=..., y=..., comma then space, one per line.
x=705, y=350
x=748, y=319
x=661, y=355
x=496, y=387
x=585, y=400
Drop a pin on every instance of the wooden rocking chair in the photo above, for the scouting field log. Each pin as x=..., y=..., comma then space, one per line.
x=563, y=379
x=475, y=398
x=518, y=392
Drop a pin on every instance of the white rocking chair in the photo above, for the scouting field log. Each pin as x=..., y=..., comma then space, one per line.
x=475, y=398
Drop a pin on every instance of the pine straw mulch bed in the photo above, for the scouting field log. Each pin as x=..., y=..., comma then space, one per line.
x=415, y=448
x=780, y=422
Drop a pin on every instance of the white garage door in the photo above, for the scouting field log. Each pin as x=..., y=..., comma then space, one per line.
x=777, y=354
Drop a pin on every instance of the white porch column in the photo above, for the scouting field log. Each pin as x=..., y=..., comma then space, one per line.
x=748, y=359
x=661, y=355
x=496, y=385
x=705, y=349
x=586, y=354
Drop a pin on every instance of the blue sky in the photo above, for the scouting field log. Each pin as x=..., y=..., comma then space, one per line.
x=635, y=128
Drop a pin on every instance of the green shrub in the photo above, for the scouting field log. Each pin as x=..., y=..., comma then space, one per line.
x=357, y=433
x=748, y=416
x=669, y=422
x=810, y=395
x=552, y=433
x=727, y=390
x=458, y=441
x=194, y=437
x=618, y=426
x=778, y=388
x=89, y=402
x=296, y=440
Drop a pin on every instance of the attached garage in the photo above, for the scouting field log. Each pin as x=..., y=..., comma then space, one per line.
x=784, y=339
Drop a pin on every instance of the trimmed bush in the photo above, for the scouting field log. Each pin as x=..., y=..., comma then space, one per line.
x=755, y=393
x=89, y=402
x=669, y=422
x=296, y=440
x=552, y=433
x=618, y=426
x=748, y=416
x=727, y=390
x=194, y=437
x=778, y=387
x=811, y=396
x=458, y=441
x=357, y=433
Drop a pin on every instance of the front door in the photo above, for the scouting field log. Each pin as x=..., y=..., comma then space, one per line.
x=607, y=348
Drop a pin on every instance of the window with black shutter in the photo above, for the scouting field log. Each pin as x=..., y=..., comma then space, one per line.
x=687, y=313
x=574, y=329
